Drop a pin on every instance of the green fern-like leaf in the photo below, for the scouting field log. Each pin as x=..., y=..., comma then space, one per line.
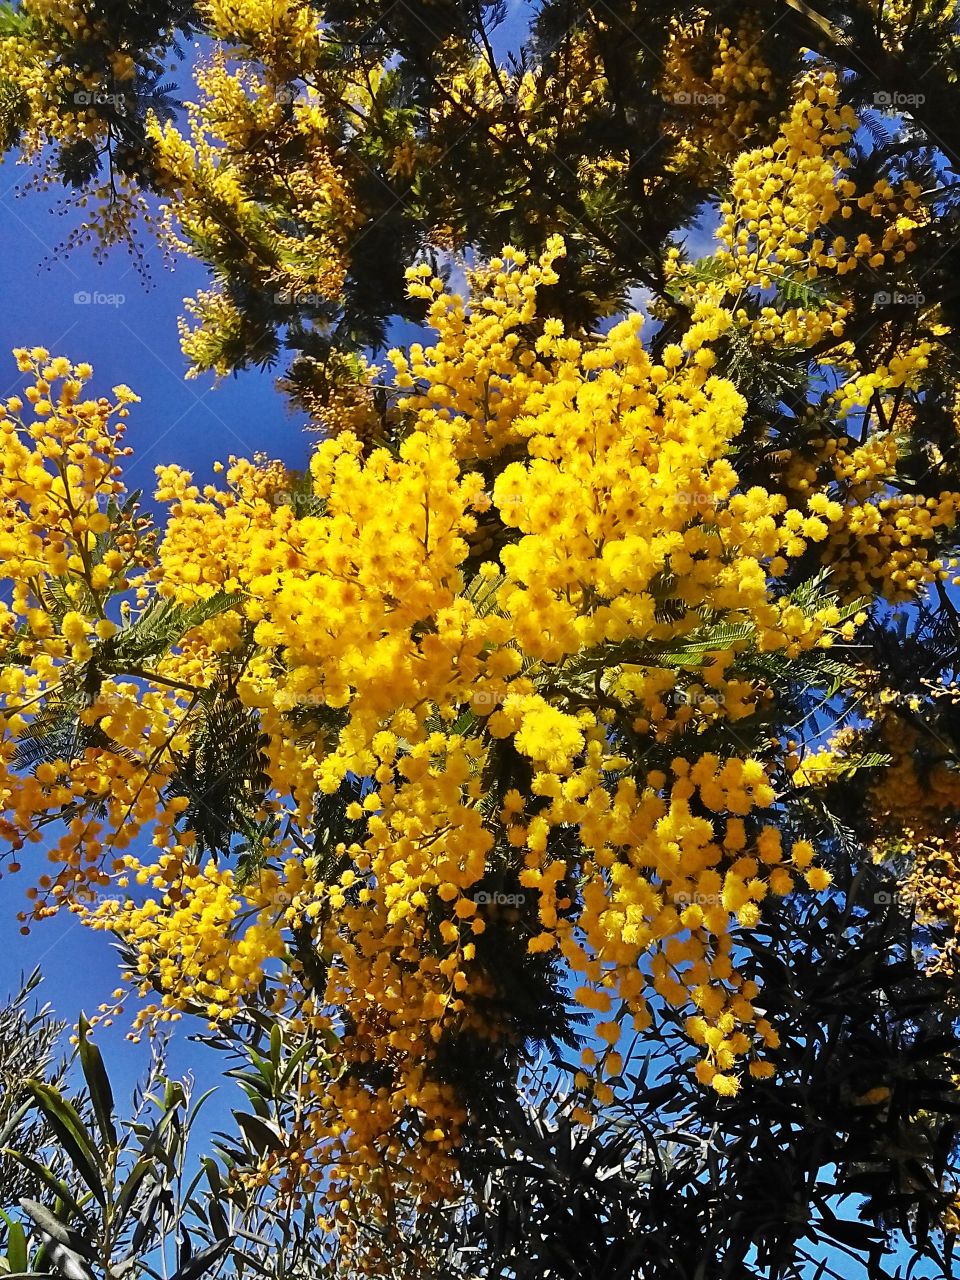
x=163, y=623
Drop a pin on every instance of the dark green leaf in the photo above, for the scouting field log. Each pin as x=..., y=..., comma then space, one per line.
x=262, y=1135
x=54, y=1184
x=70, y=1129
x=201, y=1262
x=16, y=1244
x=98, y=1082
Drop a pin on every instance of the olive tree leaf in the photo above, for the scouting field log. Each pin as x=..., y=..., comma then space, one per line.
x=98, y=1082
x=70, y=1129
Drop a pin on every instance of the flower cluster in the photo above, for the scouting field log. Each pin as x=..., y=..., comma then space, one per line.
x=220, y=200
x=70, y=543
x=721, y=86
x=492, y=707
x=783, y=220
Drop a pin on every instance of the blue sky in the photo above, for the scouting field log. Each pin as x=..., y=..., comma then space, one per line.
x=132, y=340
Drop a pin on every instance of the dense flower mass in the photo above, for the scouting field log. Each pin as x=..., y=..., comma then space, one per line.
x=555, y=721
x=594, y=658
x=297, y=228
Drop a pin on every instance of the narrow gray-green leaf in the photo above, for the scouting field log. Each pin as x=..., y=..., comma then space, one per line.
x=262, y=1135
x=16, y=1244
x=98, y=1082
x=201, y=1262
x=70, y=1129
x=197, y=1105
x=131, y=1186
x=49, y=1179
x=68, y=1263
x=58, y=1231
